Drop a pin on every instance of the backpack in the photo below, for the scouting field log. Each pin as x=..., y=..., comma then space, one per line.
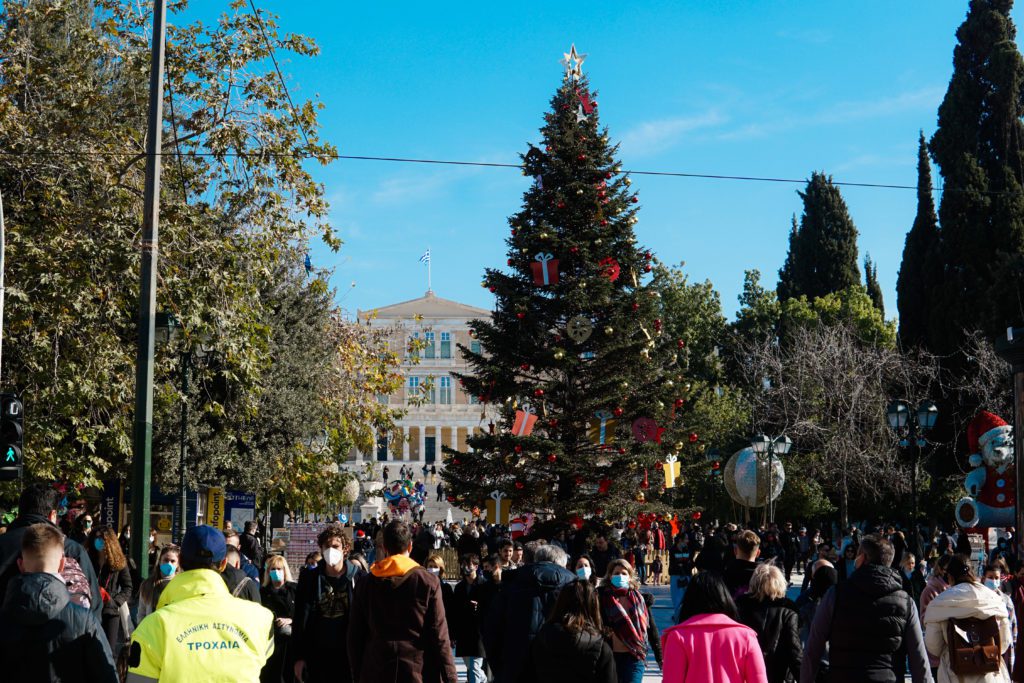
x=237, y=591
x=974, y=647
x=78, y=585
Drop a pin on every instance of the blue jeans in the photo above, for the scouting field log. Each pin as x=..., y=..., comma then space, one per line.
x=475, y=670
x=628, y=669
x=677, y=592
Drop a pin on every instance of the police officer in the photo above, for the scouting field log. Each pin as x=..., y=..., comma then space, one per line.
x=199, y=631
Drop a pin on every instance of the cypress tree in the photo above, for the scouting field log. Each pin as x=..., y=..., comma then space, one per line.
x=822, y=255
x=978, y=149
x=917, y=276
x=872, y=286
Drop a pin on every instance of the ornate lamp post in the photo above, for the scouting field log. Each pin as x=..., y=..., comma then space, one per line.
x=772, y=447
x=911, y=429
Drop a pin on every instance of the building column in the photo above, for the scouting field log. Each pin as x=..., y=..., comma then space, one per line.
x=423, y=444
x=405, y=443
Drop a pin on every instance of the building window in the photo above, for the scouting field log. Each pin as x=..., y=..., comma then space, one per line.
x=446, y=390
x=446, y=345
x=414, y=388
x=412, y=350
x=474, y=346
x=383, y=399
x=428, y=344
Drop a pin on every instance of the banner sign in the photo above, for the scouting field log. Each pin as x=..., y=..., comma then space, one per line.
x=215, y=507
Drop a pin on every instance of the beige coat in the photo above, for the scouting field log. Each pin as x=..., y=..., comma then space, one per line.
x=962, y=601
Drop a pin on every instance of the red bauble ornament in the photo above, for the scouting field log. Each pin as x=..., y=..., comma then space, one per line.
x=648, y=255
x=579, y=480
x=617, y=412
x=681, y=344
x=657, y=323
x=679, y=403
x=520, y=485
x=608, y=175
x=574, y=250
x=553, y=424
x=538, y=392
x=693, y=437
x=647, y=267
x=552, y=458
x=451, y=499
x=716, y=465
x=604, y=221
x=696, y=515
x=576, y=521
x=632, y=525
x=509, y=262
x=602, y=194
x=622, y=451
x=581, y=157
x=520, y=315
x=518, y=448
x=524, y=366
x=561, y=205
x=636, y=306
x=635, y=199
x=548, y=148
x=493, y=289
x=456, y=461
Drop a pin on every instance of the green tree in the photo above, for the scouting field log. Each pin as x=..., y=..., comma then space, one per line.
x=72, y=105
x=581, y=211
x=918, y=277
x=851, y=309
x=978, y=149
x=823, y=252
x=871, y=285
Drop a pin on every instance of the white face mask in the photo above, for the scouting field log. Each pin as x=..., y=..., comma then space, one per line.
x=333, y=557
x=433, y=570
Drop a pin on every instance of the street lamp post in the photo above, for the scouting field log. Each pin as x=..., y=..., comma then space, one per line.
x=911, y=429
x=772, y=447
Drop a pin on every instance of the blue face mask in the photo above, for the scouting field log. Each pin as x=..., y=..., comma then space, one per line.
x=620, y=581
x=98, y=544
x=276, y=575
x=167, y=569
x=583, y=572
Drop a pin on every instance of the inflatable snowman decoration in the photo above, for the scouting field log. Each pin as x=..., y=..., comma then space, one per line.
x=991, y=498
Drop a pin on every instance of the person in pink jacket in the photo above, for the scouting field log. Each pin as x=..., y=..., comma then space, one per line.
x=709, y=644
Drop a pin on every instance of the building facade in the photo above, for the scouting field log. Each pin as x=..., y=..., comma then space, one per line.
x=445, y=414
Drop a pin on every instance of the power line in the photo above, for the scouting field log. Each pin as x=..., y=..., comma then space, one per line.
x=280, y=76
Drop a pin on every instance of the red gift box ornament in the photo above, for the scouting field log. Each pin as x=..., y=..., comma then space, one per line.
x=604, y=486
x=545, y=269
x=525, y=419
x=609, y=268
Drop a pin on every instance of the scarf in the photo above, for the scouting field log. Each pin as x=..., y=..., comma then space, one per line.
x=625, y=613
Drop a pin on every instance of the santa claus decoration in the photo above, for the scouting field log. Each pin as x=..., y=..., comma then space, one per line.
x=991, y=499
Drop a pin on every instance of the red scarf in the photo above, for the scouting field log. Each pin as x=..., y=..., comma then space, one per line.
x=625, y=613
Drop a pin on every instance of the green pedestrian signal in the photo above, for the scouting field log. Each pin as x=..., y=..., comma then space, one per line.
x=12, y=436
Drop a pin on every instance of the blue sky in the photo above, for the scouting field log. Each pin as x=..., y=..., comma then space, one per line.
x=741, y=88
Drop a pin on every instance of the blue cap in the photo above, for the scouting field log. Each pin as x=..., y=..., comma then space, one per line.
x=203, y=544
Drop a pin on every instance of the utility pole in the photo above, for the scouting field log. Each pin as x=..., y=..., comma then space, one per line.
x=3, y=264
x=142, y=441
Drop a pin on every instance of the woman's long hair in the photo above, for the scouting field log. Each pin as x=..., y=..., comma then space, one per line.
x=707, y=594
x=111, y=548
x=577, y=608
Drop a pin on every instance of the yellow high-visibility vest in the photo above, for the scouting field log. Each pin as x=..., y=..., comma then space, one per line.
x=199, y=632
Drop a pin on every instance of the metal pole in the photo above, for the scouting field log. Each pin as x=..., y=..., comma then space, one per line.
x=1011, y=349
x=142, y=442
x=186, y=361
x=3, y=263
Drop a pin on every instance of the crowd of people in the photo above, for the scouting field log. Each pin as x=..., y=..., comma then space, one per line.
x=376, y=602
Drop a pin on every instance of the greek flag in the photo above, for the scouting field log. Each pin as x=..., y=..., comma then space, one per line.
x=426, y=257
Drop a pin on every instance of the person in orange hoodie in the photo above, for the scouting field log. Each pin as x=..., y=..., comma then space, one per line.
x=398, y=632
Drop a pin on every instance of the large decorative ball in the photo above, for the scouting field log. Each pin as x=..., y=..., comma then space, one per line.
x=746, y=478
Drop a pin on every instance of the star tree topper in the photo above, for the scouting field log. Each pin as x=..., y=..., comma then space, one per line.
x=573, y=62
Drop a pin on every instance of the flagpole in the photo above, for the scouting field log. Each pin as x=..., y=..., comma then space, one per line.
x=429, y=288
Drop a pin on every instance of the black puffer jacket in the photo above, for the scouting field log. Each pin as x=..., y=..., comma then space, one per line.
x=558, y=655
x=44, y=637
x=870, y=616
x=10, y=549
x=778, y=633
x=517, y=614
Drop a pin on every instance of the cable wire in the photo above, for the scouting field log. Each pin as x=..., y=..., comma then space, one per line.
x=280, y=76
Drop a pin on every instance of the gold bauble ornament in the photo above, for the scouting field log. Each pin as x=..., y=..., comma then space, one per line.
x=700, y=448
x=624, y=385
x=644, y=353
x=597, y=241
x=632, y=220
x=640, y=497
x=628, y=181
x=523, y=251
x=559, y=354
x=609, y=330
x=579, y=191
x=669, y=383
x=678, y=445
x=543, y=235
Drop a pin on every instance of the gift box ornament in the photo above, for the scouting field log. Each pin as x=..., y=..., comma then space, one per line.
x=545, y=269
x=673, y=468
x=601, y=430
x=525, y=419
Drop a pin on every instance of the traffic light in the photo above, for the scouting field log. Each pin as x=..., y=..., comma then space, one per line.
x=12, y=437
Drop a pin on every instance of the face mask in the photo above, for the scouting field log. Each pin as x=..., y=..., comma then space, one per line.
x=908, y=573
x=166, y=569
x=333, y=557
x=620, y=581
x=311, y=566
x=583, y=572
x=276, y=575
x=98, y=544
x=468, y=571
x=433, y=570
x=992, y=583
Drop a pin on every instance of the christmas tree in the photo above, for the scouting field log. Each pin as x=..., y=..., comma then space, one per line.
x=591, y=391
